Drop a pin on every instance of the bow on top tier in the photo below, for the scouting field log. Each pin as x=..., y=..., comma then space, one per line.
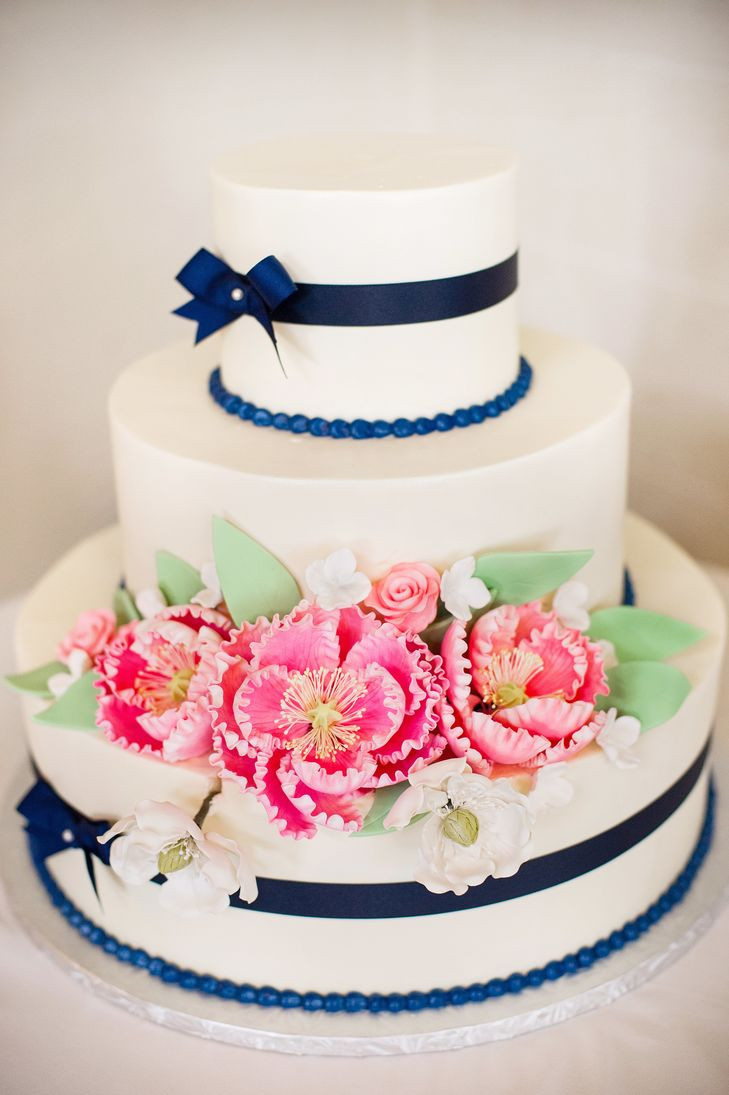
x=221, y=295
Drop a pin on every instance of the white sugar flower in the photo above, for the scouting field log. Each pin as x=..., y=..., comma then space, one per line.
x=461, y=590
x=570, y=603
x=617, y=738
x=211, y=595
x=202, y=869
x=77, y=662
x=551, y=788
x=609, y=654
x=478, y=827
x=336, y=582
x=150, y=602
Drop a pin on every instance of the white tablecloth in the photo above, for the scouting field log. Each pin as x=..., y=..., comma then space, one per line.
x=671, y=1035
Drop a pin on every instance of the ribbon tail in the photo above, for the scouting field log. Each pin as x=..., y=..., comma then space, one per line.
x=259, y=311
x=208, y=318
x=91, y=873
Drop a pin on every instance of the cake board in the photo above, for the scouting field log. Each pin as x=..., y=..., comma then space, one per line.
x=365, y=1034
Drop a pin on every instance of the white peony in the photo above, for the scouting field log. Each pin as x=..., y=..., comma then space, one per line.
x=461, y=590
x=570, y=603
x=478, y=827
x=202, y=869
x=77, y=663
x=336, y=582
x=211, y=595
x=617, y=738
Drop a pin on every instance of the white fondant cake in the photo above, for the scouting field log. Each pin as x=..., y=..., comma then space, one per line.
x=389, y=701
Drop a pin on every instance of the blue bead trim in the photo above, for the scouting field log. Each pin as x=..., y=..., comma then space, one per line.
x=361, y=428
x=268, y=997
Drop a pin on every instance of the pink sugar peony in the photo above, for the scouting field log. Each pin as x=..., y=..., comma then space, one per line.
x=314, y=711
x=154, y=681
x=522, y=688
x=407, y=596
x=92, y=632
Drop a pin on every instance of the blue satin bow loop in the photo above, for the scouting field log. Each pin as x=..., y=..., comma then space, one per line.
x=220, y=295
x=54, y=826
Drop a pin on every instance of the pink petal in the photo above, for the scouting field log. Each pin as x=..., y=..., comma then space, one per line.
x=256, y=707
x=595, y=681
x=395, y=653
x=290, y=820
x=564, y=661
x=192, y=735
x=347, y=771
x=552, y=717
x=568, y=747
x=494, y=631
x=396, y=771
x=120, y=723
x=353, y=625
x=503, y=744
x=299, y=644
x=238, y=765
x=457, y=668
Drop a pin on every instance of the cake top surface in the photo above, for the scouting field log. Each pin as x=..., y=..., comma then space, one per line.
x=362, y=163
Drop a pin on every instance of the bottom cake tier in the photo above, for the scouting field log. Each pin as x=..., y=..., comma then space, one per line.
x=330, y=913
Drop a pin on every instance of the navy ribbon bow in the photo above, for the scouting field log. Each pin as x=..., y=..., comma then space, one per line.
x=53, y=826
x=220, y=295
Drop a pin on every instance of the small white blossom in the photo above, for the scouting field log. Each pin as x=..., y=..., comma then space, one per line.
x=617, y=738
x=211, y=595
x=461, y=590
x=78, y=662
x=570, y=603
x=551, y=788
x=150, y=602
x=609, y=654
x=336, y=582
x=202, y=869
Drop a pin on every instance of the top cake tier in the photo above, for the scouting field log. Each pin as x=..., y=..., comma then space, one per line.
x=379, y=211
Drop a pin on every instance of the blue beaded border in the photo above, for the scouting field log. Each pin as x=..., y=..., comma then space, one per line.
x=267, y=996
x=361, y=428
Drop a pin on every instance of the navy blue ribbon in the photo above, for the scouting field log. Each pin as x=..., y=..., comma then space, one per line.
x=267, y=293
x=220, y=295
x=54, y=826
x=49, y=816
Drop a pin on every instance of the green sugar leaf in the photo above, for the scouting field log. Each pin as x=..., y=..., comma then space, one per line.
x=177, y=580
x=639, y=635
x=517, y=577
x=253, y=581
x=76, y=708
x=124, y=607
x=35, y=681
x=651, y=691
x=384, y=800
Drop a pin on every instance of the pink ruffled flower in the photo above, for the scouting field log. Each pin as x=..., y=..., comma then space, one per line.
x=407, y=596
x=314, y=711
x=92, y=632
x=154, y=682
x=522, y=688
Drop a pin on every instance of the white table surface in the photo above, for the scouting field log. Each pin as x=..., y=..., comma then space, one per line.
x=671, y=1035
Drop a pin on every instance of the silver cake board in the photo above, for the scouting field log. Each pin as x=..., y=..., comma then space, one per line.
x=365, y=1034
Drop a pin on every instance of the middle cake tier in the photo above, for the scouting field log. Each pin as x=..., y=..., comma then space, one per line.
x=549, y=474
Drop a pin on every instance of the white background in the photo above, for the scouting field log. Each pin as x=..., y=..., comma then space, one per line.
x=112, y=112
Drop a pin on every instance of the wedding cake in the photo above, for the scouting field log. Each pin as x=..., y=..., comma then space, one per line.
x=375, y=699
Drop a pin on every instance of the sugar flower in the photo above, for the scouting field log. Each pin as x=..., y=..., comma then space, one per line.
x=202, y=869
x=461, y=590
x=523, y=688
x=336, y=582
x=570, y=605
x=407, y=596
x=91, y=633
x=153, y=682
x=314, y=711
x=211, y=594
x=77, y=663
x=617, y=737
x=478, y=828
x=150, y=602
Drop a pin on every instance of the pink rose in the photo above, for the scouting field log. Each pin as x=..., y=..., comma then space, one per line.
x=407, y=596
x=92, y=632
